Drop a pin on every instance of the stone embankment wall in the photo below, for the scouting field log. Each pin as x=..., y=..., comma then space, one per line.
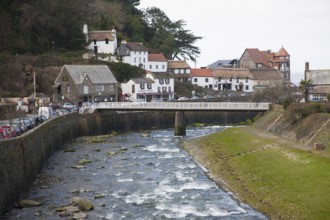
x=23, y=157
x=314, y=128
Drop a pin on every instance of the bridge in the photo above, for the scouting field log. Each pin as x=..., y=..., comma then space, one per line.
x=176, y=106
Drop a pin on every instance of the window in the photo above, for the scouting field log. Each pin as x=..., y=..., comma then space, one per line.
x=247, y=79
x=161, y=81
x=94, y=42
x=220, y=79
x=106, y=41
x=99, y=88
x=111, y=88
x=206, y=80
x=144, y=60
x=159, y=89
x=195, y=80
x=149, y=85
x=319, y=97
x=134, y=59
x=167, y=81
x=156, y=67
x=169, y=89
x=142, y=86
x=246, y=87
x=237, y=80
x=150, y=67
x=86, y=89
x=133, y=88
x=231, y=79
x=68, y=90
x=163, y=67
x=164, y=88
x=65, y=78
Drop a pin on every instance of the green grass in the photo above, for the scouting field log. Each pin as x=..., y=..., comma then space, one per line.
x=282, y=182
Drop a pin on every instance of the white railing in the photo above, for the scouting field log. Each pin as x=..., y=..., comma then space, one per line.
x=259, y=106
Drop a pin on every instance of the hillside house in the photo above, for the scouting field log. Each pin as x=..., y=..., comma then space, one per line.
x=180, y=69
x=101, y=42
x=139, y=89
x=156, y=63
x=164, y=83
x=203, y=78
x=133, y=53
x=85, y=83
x=320, y=84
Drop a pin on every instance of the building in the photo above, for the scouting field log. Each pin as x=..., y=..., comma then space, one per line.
x=203, y=78
x=233, y=79
x=233, y=63
x=156, y=63
x=164, y=83
x=180, y=69
x=253, y=58
x=154, y=87
x=265, y=78
x=320, y=80
x=101, y=42
x=85, y=83
x=133, y=53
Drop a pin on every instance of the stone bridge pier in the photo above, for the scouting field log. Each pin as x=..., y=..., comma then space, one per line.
x=180, y=124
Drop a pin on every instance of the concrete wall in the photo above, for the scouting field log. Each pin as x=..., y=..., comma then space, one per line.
x=22, y=158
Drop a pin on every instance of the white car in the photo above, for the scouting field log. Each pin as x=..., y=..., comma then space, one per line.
x=68, y=106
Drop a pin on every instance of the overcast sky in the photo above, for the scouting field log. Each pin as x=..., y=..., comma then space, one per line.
x=228, y=27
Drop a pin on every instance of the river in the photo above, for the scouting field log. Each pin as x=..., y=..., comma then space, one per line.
x=133, y=176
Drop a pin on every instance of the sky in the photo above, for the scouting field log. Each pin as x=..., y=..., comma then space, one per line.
x=228, y=27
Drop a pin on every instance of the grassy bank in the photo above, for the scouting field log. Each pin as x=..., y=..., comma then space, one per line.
x=275, y=178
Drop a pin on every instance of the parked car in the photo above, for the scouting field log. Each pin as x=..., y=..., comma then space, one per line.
x=68, y=106
x=46, y=111
x=21, y=124
x=18, y=127
x=4, y=133
x=11, y=131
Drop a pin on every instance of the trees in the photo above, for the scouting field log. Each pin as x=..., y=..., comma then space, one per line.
x=304, y=85
x=169, y=37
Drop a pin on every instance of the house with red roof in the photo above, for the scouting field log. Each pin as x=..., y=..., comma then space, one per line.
x=203, y=77
x=156, y=63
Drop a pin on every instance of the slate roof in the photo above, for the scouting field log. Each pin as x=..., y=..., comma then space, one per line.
x=98, y=74
x=178, y=64
x=319, y=90
x=142, y=80
x=136, y=46
x=223, y=63
x=201, y=73
x=157, y=58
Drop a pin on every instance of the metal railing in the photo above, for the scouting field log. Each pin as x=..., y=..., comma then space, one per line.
x=191, y=106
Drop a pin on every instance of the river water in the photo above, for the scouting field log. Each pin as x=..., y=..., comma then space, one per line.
x=134, y=177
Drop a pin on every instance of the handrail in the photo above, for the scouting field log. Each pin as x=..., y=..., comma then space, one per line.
x=261, y=106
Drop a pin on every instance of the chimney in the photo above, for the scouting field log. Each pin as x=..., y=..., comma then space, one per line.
x=307, y=66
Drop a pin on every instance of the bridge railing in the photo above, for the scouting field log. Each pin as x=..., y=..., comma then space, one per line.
x=262, y=106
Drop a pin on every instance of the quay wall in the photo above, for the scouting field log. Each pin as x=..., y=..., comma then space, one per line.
x=22, y=158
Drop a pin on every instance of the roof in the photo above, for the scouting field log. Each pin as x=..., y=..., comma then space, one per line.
x=258, y=56
x=161, y=75
x=98, y=74
x=223, y=63
x=266, y=74
x=282, y=52
x=178, y=64
x=227, y=73
x=319, y=90
x=157, y=58
x=201, y=73
x=136, y=46
x=101, y=35
x=142, y=80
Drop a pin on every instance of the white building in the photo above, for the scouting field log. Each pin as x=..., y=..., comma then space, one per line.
x=133, y=53
x=203, y=78
x=180, y=69
x=101, y=42
x=156, y=63
x=320, y=80
x=164, y=83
